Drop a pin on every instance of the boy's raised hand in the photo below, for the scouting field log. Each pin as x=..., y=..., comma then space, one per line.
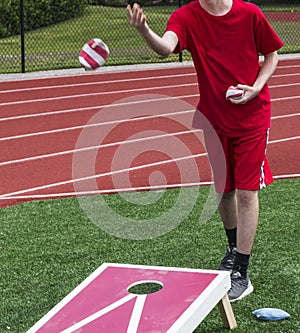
x=164, y=45
x=137, y=18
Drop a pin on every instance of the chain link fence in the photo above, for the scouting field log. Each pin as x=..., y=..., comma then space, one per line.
x=55, y=44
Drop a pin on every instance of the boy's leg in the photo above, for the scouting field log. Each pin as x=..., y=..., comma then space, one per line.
x=247, y=219
x=223, y=171
x=228, y=209
x=247, y=171
x=251, y=173
x=239, y=213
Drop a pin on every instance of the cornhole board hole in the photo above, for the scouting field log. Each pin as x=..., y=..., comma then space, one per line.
x=103, y=303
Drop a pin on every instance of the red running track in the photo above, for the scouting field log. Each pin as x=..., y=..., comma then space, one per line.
x=121, y=131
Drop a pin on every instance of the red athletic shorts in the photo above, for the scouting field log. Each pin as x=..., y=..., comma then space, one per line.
x=244, y=161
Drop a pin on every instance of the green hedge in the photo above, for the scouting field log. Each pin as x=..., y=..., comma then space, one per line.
x=38, y=13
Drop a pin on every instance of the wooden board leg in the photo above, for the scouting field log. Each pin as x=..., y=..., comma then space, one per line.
x=226, y=312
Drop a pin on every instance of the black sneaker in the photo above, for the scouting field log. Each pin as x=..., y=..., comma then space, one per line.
x=228, y=260
x=240, y=287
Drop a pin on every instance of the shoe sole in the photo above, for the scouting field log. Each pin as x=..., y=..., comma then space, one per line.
x=247, y=292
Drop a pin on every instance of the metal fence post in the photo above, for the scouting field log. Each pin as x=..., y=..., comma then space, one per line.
x=22, y=35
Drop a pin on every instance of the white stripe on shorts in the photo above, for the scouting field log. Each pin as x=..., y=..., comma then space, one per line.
x=262, y=183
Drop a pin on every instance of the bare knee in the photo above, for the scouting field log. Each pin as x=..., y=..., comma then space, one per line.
x=246, y=198
x=226, y=196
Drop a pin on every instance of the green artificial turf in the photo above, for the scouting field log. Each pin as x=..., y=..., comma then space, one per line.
x=47, y=248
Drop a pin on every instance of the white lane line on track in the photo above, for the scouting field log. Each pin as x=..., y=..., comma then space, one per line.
x=284, y=85
x=113, y=92
x=73, y=128
x=110, y=173
x=148, y=78
x=285, y=75
x=285, y=116
x=118, y=121
x=71, y=151
x=158, y=77
x=288, y=66
x=99, y=107
x=285, y=139
x=110, y=93
x=295, y=175
x=284, y=98
x=122, y=190
x=89, y=108
x=108, y=191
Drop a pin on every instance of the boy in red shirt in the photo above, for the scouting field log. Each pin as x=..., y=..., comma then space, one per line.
x=225, y=38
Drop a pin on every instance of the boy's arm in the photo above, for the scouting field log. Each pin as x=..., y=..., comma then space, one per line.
x=164, y=45
x=267, y=69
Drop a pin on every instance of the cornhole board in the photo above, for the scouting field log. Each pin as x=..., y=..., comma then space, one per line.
x=103, y=304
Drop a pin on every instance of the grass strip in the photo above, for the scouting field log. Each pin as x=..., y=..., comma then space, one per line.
x=57, y=46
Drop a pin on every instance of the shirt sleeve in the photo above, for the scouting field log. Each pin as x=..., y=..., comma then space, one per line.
x=175, y=25
x=267, y=40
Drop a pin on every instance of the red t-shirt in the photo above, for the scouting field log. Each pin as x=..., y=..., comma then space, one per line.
x=225, y=51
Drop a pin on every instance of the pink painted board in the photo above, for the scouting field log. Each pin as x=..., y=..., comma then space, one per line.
x=102, y=302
